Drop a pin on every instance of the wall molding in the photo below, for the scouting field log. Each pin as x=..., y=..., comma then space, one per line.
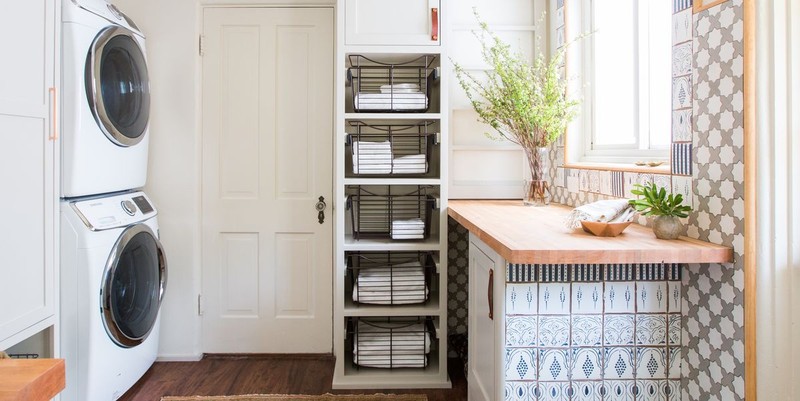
x=700, y=5
x=750, y=203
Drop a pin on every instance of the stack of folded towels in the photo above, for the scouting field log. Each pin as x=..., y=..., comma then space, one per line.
x=605, y=211
x=399, y=97
x=391, y=345
x=376, y=158
x=408, y=229
x=400, y=284
x=372, y=157
x=411, y=164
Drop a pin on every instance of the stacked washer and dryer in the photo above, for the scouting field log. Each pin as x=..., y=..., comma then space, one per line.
x=113, y=268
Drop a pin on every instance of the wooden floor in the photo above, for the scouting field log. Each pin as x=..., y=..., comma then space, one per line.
x=278, y=374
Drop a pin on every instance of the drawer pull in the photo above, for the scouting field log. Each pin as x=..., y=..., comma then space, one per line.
x=490, y=293
x=435, y=24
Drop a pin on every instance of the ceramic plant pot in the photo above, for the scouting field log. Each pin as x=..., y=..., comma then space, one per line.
x=667, y=227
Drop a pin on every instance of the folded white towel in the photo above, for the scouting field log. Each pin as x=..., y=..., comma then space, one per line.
x=391, y=101
x=600, y=211
x=396, y=362
x=410, y=159
x=392, y=338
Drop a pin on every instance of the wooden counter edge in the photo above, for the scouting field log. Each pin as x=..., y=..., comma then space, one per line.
x=31, y=379
x=711, y=253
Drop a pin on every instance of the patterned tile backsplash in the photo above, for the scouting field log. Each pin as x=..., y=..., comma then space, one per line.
x=593, y=332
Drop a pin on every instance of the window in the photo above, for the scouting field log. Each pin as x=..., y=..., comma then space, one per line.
x=627, y=80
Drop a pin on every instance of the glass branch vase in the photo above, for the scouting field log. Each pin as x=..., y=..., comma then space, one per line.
x=536, y=190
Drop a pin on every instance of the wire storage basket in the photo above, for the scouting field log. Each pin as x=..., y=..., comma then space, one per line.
x=391, y=342
x=390, y=278
x=391, y=149
x=403, y=87
x=396, y=216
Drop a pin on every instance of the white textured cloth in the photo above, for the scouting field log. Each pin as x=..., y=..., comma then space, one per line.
x=391, y=101
x=408, y=229
x=602, y=211
x=372, y=157
x=391, y=345
x=402, y=284
x=410, y=164
x=400, y=88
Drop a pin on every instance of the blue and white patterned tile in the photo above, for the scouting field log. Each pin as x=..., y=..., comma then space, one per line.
x=630, y=180
x=521, y=331
x=553, y=273
x=587, y=298
x=651, y=363
x=617, y=184
x=682, y=26
x=595, y=181
x=618, y=330
x=619, y=390
x=520, y=364
x=592, y=273
x=620, y=297
x=663, y=181
x=521, y=299
x=587, y=390
x=651, y=329
x=587, y=364
x=554, y=331
x=674, y=362
x=554, y=365
x=573, y=180
x=682, y=125
x=554, y=299
x=673, y=390
x=561, y=177
x=683, y=185
x=651, y=390
x=583, y=176
x=674, y=289
x=618, y=363
x=651, y=297
x=682, y=159
x=682, y=59
x=518, y=391
x=674, y=329
x=679, y=5
x=617, y=272
x=554, y=391
x=606, y=187
x=682, y=92
x=520, y=273
x=587, y=330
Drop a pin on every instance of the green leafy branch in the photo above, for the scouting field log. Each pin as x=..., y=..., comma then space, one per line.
x=656, y=202
x=525, y=103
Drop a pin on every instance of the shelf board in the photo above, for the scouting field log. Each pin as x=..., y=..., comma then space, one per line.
x=392, y=116
x=391, y=53
x=385, y=244
x=431, y=308
x=374, y=378
x=392, y=181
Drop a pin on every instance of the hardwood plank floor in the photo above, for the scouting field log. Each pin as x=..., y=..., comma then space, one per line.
x=264, y=374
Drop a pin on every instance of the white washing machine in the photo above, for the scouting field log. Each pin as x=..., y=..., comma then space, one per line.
x=113, y=276
x=105, y=100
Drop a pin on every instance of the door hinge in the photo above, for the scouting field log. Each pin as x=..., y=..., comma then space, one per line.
x=199, y=304
x=201, y=50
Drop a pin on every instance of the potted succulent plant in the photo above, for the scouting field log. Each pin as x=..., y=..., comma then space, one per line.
x=526, y=103
x=666, y=209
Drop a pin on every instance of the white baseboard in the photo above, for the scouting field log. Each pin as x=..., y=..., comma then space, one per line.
x=179, y=358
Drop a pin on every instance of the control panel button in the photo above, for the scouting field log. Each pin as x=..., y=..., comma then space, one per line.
x=129, y=207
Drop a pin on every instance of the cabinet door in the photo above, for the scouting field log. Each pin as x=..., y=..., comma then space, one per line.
x=392, y=22
x=27, y=101
x=482, y=334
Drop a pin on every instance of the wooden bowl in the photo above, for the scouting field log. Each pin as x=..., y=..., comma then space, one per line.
x=604, y=229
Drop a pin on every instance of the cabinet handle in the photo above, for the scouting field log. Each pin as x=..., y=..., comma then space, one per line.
x=490, y=293
x=435, y=23
x=54, y=114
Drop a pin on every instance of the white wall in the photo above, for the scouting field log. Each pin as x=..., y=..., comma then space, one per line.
x=778, y=196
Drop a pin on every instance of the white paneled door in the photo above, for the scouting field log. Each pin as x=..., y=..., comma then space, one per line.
x=267, y=158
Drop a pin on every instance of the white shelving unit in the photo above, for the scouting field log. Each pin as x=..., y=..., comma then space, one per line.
x=397, y=48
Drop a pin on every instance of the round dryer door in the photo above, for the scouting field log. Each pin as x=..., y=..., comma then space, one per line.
x=133, y=286
x=118, y=87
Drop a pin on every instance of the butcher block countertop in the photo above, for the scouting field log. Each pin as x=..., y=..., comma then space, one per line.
x=31, y=379
x=528, y=234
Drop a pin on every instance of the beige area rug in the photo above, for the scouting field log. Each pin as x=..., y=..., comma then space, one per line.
x=284, y=397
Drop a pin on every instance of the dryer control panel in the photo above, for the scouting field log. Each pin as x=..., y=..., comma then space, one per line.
x=114, y=211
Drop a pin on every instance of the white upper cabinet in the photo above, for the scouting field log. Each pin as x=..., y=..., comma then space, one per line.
x=392, y=22
x=27, y=170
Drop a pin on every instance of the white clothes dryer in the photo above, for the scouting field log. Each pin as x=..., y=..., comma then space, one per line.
x=106, y=100
x=113, y=277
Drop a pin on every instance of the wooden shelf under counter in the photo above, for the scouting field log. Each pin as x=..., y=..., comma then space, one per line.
x=31, y=379
x=537, y=235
